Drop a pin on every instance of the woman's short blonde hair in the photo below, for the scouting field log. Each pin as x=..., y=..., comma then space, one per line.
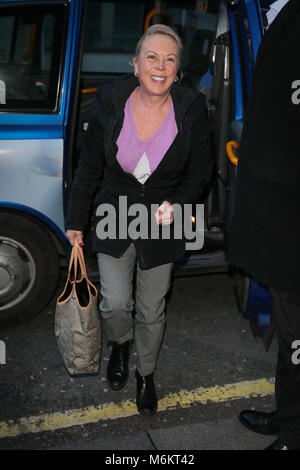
x=160, y=29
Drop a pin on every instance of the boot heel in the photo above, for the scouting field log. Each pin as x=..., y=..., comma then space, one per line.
x=146, y=399
x=117, y=369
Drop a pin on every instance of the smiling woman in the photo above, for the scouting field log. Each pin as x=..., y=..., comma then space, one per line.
x=148, y=140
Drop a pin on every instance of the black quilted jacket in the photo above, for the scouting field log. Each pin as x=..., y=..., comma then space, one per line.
x=181, y=176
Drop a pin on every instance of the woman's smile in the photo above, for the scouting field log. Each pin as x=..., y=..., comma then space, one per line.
x=158, y=78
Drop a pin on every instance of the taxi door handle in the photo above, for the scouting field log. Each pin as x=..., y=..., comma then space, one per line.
x=232, y=144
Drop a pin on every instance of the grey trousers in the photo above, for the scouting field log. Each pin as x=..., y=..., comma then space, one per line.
x=117, y=304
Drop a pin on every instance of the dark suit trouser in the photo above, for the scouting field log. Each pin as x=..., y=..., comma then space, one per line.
x=286, y=311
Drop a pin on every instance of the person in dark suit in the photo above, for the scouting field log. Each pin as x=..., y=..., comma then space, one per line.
x=264, y=237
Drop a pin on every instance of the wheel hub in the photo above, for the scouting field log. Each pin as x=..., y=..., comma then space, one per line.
x=17, y=272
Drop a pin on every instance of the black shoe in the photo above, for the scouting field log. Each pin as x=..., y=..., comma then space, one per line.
x=277, y=445
x=259, y=421
x=117, y=369
x=146, y=399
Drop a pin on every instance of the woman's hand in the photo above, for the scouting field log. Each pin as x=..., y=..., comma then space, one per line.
x=164, y=214
x=73, y=235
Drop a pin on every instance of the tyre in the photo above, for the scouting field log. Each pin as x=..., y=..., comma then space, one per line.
x=29, y=269
x=242, y=290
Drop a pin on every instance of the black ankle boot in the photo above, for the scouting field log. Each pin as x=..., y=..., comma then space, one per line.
x=117, y=369
x=146, y=399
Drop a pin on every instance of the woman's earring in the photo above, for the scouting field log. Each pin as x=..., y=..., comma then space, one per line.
x=135, y=74
x=176, y=79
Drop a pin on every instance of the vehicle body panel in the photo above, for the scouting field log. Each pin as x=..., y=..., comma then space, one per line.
x=33, y=143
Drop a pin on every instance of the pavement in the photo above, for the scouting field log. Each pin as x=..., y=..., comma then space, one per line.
x=223, y=434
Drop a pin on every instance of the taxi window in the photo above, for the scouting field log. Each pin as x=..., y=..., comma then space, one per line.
x=111, y=34
x=114, y=28
x=31, y=39
x=197, y=30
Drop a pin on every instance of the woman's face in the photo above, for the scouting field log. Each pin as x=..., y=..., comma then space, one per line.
x=157, y=64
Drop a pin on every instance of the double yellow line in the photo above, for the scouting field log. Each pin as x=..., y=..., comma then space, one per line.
x=109, y=411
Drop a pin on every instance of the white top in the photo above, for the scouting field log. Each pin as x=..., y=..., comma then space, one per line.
x=275, y=9
x=142, y=171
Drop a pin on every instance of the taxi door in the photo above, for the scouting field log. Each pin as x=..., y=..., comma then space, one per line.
x=247, y=25
x=38, y=63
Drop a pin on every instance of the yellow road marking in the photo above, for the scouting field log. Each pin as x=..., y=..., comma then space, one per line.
x=109, y=411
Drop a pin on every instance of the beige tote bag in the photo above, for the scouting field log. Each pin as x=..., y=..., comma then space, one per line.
x=77, y=319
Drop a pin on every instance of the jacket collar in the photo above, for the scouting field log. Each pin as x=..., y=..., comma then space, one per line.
x=277, y=28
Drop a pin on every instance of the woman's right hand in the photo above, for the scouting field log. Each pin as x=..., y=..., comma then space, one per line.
x=73, y=235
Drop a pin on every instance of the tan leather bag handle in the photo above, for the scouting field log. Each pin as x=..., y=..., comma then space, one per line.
x=80, y=256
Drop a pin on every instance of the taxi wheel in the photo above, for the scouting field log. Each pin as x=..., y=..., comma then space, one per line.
x=29, y=269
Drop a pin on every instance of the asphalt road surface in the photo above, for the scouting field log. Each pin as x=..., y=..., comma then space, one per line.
x=210, y=367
